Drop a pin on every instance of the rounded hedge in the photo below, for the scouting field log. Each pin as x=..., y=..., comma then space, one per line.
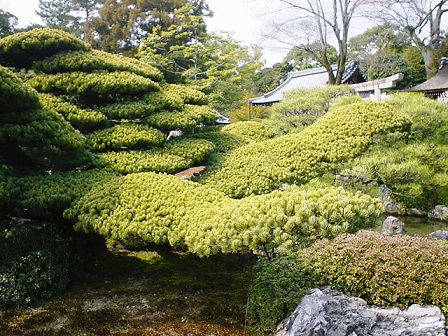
x=162, y=208
x=383, y=270
x=95, y=60
x=252, y=130
x=21, y=49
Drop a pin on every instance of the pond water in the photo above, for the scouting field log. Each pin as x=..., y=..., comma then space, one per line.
x=417, y=225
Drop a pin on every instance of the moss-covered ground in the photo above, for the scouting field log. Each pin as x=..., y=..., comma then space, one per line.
x=157, y=292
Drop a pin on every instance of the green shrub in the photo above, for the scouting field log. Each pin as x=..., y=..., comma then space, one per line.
x=188, y=119
x=50, y=193
x=95, y=60
x=194, y=150
x=223, y=142
x=276, y=289
x=176, y=155
x=45, y=138
x=125, y=136
x=414, y=165
x=21, y=49
x=296, y=158
x=14, y=94
x=383, y=270
x=429, y=117
x=164, y=101
x=165, y=209
x=187, y=94
x=315, y=102
x=251, y=130
x=129, y=110
x=100, y=83
x=34, y=263
x=136, y=161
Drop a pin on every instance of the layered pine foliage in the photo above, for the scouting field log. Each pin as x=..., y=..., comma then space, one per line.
x=337, y=136
x=165, y=209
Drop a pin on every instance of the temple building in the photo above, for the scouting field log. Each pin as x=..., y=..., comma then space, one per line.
x=308, y=79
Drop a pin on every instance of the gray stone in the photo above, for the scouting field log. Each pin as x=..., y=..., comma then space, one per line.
x=327, y=312
x=392, y=226
x=413, y=212
x=439, y=212
x=391, y=206
x=439, y=234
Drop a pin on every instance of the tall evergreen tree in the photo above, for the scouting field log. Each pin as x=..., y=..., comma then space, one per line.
x=121, y=24
x=58, y=14
x=7, y=23
x=186, y=53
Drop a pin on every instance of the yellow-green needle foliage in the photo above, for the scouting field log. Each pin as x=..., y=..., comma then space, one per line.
x=165, y=209
x=296, y=158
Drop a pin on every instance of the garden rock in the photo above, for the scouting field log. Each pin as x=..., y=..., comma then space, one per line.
x=439, y=234
x=392, y=226
x=391, y=206
x=413, y=212
x=440, y=212
x=329, y=312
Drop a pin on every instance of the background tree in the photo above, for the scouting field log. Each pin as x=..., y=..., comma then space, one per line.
x=73, y=16
x=439, y=52
x=384, y=51
x=303, y=57
x=420, y=20
x=310, y=24
x=121, y=24
x=269, y=78
x=59, y=14
x=217, y=65
x=8, y=22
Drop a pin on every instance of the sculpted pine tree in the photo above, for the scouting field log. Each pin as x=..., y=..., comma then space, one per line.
x=85, y=108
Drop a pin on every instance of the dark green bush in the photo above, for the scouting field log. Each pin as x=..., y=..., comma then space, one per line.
x=187, y=119
x=101, y=83
x=276, y=289
x=81, y=119
x=14, y=94
x=48, y=193
x=21, y=49
x=34, y=263
x=124, y=136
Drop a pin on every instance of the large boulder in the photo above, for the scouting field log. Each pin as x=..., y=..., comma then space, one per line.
x=439, y=234
x=392, y=226
x=329, y=312
x=439, y=212
x=391, y=206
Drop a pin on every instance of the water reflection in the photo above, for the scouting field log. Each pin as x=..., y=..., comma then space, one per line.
x=417, y=225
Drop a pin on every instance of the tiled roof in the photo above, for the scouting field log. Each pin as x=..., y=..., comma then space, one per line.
x=436, y=83
x=305, y=79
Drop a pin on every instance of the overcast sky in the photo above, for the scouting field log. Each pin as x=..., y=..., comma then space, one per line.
x=236, y=16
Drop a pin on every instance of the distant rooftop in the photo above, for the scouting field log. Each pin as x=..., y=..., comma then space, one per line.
x=437, y=83
x=308, y=79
